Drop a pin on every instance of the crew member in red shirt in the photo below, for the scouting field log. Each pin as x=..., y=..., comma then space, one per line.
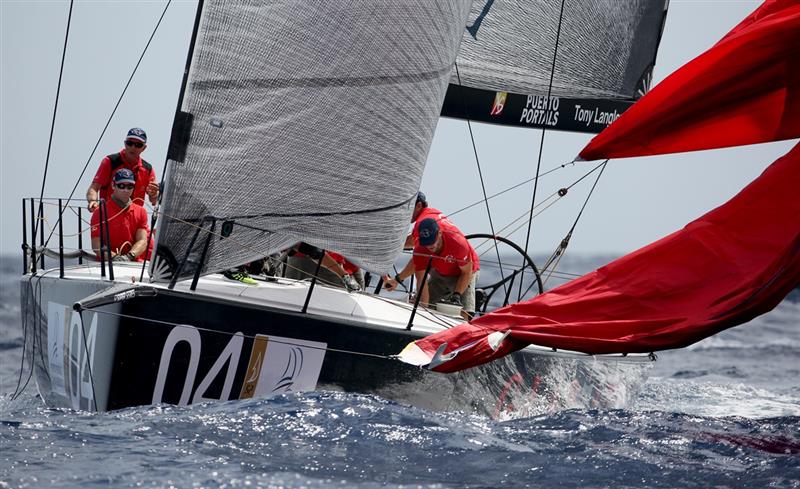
x=130, y=158
x=126, y=221
x=336, y=270
x=421, y=212
x=454, y=265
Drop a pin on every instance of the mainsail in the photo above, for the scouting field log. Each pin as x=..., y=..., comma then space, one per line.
x=727, y=267
x=310, y=121
x=569, y=65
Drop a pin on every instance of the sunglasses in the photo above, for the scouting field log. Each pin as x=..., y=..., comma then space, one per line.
x=125, y=186
x=135, y=144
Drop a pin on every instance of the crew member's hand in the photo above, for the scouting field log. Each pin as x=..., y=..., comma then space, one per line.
x=389, y=283
x=121, y=258
x=93, y=204
x=152, y=190
x=454, y=298
x=351, y=283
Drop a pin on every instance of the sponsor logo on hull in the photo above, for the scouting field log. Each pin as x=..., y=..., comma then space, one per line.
x=275, y=365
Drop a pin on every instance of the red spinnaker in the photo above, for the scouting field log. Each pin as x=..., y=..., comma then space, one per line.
x=744, y=90
x=732, y=264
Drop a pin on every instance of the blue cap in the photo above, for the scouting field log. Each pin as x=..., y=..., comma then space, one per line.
x=421, y=198
x=124, y=175
x=428, y=229
x=138, y=134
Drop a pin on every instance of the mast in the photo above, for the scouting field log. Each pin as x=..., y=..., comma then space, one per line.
x=181, y=124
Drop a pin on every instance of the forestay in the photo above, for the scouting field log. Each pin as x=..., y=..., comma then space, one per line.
x=312, y=121
x=604, y=55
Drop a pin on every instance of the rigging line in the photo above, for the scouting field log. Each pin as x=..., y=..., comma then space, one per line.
x=24, y=342
x=565, y=241
x=33, y=290
x=541, y=142
x=114, y=111
x=236, y=241
x=562, y=166
x=55, y=111
x=243, y=245
x=557, y=254
x=480, y=172
x=549, y=197
x=252, y=337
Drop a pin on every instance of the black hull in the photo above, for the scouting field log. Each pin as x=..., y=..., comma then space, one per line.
x=180, y=347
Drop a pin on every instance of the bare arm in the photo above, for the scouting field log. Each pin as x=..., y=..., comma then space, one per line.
x=464, y=279
x=152, y=189
x=140, y=244
x=333, y=265
x=96, y=245
x=92, y=196
x=407, y=271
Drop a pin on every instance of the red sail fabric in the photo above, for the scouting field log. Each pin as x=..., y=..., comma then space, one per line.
x=744, y=90
x=732, y=264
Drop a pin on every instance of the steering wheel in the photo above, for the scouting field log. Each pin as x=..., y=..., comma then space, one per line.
x=514, y=273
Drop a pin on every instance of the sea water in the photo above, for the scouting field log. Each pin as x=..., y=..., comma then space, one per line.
x=722, y=413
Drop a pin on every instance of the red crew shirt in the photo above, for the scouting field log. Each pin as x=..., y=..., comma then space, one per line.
x=348, y=266
x=143, y=178
x=454, y=254
x=122, y=226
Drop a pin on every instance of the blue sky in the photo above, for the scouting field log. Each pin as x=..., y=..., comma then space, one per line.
x=637, y=201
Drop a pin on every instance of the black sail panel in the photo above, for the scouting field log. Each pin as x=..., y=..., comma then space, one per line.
x=604, y=55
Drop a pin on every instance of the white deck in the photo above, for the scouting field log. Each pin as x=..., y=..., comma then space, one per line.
x=328, y=302
x=285, y=294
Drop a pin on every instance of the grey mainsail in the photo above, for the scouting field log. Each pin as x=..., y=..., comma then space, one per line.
x=602, y=52
x=311, y=121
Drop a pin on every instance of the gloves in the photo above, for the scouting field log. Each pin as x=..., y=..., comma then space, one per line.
x=351, y=283
x=121, y=258
x=454, y=298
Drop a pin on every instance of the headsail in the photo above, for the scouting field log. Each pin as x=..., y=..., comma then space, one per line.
x=727, y=267
x=604, y=55
x=311, y=122
x=744, y=90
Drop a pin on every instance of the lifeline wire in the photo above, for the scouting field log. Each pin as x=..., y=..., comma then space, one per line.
x=215, y=331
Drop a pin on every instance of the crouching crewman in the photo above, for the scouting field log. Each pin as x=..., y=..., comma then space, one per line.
x=126, y=221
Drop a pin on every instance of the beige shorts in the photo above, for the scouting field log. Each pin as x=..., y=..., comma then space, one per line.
x=440, y=286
